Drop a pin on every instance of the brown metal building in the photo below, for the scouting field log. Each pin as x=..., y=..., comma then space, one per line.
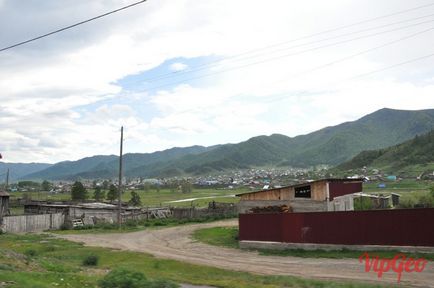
x=313, y=196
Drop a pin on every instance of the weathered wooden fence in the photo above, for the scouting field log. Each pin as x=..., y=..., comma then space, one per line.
x=32, y=223
x=218, y=209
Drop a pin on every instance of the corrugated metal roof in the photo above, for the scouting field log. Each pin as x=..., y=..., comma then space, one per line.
x=4, y=193
x=304, y=183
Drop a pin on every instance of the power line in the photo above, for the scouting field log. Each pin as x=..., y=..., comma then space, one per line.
x=215, y=63
x=355, y=55
x=70, y=26
x=349, y=57
x=391, y=66
x=288, y=55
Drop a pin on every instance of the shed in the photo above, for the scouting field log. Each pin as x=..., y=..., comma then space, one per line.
x=4, y=203
x=310, y=196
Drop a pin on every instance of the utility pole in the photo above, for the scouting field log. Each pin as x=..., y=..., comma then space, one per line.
x=120, y=180
x=7, y=181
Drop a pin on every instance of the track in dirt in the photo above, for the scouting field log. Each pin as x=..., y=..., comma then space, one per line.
x=176, y=243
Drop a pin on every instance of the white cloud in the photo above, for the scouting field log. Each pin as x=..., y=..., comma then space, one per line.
x=178, y=66
x=60, y=100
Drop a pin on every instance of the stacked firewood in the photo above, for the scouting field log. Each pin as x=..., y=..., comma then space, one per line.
x=272, y=209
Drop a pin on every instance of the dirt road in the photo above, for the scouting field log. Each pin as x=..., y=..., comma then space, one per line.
x=176, y=243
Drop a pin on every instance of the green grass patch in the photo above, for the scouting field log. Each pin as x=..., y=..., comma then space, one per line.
x=228, y=237
x=132, y=226
x=151, y=197
x=218, y=236
x=62, y=267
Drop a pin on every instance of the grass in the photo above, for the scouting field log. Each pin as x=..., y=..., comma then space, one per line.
x=406, y=185
x=228, y=237
x=155, y=198
x=131, y=226
x=411, y=191
x=58, y=263
x=218, y=236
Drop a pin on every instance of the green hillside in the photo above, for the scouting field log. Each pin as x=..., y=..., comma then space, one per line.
x=330, y=145
x=107, y=166
x=405, y=156
x=18, y=170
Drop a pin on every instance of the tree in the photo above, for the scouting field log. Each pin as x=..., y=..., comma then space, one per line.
x=78, y=191
x=135, y=199
x=186, y=186
x=98, y=194
x=112, y=194
x=46, y=186
x=29, y=185
x=105, y=184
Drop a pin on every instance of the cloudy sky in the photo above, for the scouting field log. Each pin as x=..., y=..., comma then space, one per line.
x=186, y=72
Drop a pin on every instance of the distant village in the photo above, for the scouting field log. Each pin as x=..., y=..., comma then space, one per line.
x=254, y=179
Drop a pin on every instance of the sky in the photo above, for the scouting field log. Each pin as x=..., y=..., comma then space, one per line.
x=177, y=73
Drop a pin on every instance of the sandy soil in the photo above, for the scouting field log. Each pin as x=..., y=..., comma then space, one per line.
x=176, y=243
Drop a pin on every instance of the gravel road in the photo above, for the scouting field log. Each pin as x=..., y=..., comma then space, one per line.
x=176, y=243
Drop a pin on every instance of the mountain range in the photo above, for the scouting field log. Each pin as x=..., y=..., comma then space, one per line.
x=402, y=157
x=331, y=145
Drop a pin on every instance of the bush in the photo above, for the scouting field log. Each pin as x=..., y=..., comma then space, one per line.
x=65, y=226
x=130, y=223
x=30, y=253
x=91, y=260
x=160, y=283
x=6, y=267
x=50, y=248
x=122, y=278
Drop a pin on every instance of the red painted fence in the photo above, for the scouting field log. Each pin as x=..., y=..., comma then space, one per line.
x=402, y=227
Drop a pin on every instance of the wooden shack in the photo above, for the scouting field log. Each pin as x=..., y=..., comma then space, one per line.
x=4, y=204
x=312, y=196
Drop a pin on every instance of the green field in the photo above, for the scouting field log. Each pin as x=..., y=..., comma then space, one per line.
x=38, y=261
x=228, y=237
x=153, y=197
x=412, y=192
x=406, y=185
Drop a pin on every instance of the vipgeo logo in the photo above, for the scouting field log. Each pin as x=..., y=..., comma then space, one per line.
x=399, y=264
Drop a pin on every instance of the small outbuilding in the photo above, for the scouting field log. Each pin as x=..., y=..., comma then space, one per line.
x=311, y=196
x=4, y=204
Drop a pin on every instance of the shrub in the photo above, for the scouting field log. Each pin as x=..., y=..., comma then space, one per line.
x=30, y=253
x=6, y=267
x=122, y=278
x=130, y=223
x=160, y=283
x=50, y=248
x=65, y=226
x=91, y=260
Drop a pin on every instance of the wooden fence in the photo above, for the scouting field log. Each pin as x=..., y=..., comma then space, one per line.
x=32, y=223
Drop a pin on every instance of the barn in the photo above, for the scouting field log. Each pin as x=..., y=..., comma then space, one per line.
x=311, y=196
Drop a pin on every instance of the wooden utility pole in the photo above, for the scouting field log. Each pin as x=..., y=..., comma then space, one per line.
x=7, y=181
x=120, y=180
